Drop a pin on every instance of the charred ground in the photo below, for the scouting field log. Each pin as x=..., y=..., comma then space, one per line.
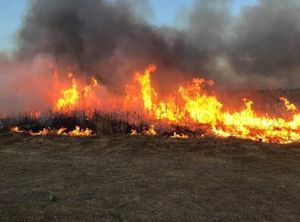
x=122, y=178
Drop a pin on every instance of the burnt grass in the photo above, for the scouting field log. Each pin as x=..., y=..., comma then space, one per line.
x=125, y=178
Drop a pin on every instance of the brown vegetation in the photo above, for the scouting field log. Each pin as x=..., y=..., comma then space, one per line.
x=122, y=178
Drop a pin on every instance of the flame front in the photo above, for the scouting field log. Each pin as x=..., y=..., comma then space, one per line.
x=202, y=108
x=194, y=105
x=77, y=132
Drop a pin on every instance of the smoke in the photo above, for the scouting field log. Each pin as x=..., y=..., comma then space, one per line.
x=266, y=42
x=257, y=48
x=207, y=35
x=111, y=39
x=24, y=85
x=107, y=39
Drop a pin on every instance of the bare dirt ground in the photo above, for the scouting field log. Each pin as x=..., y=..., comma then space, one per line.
x=147, y=179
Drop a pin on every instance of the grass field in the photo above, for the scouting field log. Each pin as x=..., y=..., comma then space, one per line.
x=147, y=179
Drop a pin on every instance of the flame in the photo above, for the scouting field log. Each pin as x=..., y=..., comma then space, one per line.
x=70, y=97
x=147, y=92
x=179, y=136
x=15, y=129
x=193, y=104
x=151, y=131
x=60, y=132
x=249, y=125
x=289, y=106
x=133, y=132
x=80, y=132
x=201, y=107
x=43, y=132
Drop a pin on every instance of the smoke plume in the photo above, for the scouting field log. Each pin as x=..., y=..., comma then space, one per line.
x=108, y=39
x=266, y=42
x=111, y=39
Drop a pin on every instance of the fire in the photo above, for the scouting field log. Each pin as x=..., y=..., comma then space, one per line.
x=43, y=132
x=60, y=132
x=15, y=129
x=151, y=131
x=249, y=125
x=201, y=107
x=179, y=136
x=70, y=97
x=133, y=132
x=193, y=104
x=289, y=106
x=80, y=132
x=147, y=92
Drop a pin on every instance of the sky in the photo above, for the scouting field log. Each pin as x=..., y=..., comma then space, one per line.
x=12, y=12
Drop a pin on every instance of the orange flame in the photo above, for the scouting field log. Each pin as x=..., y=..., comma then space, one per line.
x=70, y=97
x=151, y=131
x=15, y=129
x=289, y=106
x=203, y=108
x=43, y=132
x=193, y=105
x=60, y=132
x=80, y=132
x=133, y=132
x=147, y=92
x=179, y=136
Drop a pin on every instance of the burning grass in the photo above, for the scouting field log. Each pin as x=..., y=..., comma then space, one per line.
x=195, y=109
x=78, y=124
x=99, y=124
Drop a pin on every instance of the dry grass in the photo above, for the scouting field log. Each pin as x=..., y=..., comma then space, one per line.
x=121, y=123
x=114, y=177
x=147, y=179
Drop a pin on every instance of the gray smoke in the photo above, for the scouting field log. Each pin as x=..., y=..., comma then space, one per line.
x=267, y=41
x=108, y=39
x=111, y=39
